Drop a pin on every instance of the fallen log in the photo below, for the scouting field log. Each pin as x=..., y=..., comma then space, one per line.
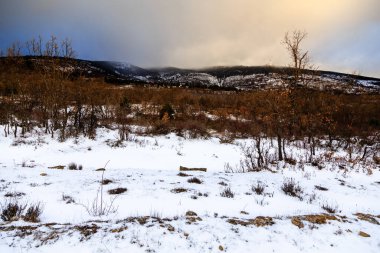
x=181, y=168
x=59, y=167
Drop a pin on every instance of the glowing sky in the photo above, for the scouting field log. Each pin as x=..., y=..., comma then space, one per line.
x=343, y=35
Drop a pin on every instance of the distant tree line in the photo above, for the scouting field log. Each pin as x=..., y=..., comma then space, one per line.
x=53, y=47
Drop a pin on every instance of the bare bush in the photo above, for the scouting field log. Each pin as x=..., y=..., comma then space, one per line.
x=194, y=180
x=72, y=166
x=33, y=213
x=68, y=199
x=291, y=160
x=100, y=207
x=227, y=137
x=311, y=198
x=291, y=188
x=258, y=188
x=329, y=208
x=12, y=210
x=227, y=193
x=229, y=169
x=249, y=162
x=255, y=158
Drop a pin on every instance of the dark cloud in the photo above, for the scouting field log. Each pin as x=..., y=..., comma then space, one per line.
x=343, y=34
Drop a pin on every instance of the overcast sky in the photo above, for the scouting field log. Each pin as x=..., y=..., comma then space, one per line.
x=343, y=35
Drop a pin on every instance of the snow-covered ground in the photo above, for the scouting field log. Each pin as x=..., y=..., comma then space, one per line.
x=152, y=215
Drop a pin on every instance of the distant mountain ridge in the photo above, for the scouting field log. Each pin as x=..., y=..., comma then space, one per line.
x=242, y=77
x=234, y=77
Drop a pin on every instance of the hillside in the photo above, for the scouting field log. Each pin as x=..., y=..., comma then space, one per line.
x=234, y=77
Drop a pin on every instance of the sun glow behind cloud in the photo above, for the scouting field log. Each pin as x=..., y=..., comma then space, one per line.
x=343, y=34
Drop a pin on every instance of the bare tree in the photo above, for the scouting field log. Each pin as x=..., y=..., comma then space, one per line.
x=29, y=46
x=14, y=49
x=34, y=47
x=67, y=49
x=38, y=46
x=51, y=47
x=300, y=58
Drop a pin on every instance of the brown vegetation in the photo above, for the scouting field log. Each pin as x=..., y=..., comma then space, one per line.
x=48, y=93
x=73, y=107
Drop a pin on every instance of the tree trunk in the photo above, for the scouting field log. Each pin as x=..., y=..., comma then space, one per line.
x=283, y=148
x=279, y=142
x=260, y=159
x=15, y=132
x=313, y=145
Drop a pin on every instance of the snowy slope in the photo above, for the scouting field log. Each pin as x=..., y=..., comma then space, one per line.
x=152, y=217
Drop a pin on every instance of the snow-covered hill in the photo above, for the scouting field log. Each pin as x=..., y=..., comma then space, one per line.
x=240, y=77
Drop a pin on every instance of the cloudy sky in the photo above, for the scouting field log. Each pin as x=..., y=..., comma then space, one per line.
x=343, y=35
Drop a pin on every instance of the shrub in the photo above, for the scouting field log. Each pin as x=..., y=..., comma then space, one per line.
x=291, y=160
x=68, y=199
x=291, y=188
x=192, y=129
x=12, y=211
x=159, y=128
x=312, y=198
x=117, y=191
x=258, y=188
x=178, y=190
x=227, y=137
x=72, y=166
x=33, y=213
x=106, y=181
x=222, y=183
x=181, y=174
x=194, y=180
x=124, y=103
x=167, y=111
x=227, y=193
x=253, y=160
x=329, y=208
